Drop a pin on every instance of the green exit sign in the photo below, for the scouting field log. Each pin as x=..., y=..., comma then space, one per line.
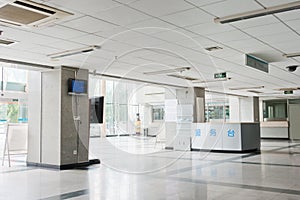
x=220, y=75
x=289, y=92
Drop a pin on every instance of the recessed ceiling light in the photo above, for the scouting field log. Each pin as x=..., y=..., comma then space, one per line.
x=255, y=91
x=4, y=41
x=213, y=80
x=247, y=88
x=168, y=71
x=183, y=77
x=288, y=89
x=291, y=55
x=74, y=52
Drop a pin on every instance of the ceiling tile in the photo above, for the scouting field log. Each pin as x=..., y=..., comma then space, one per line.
x=89, y=24
x=144, y=42
x=128, y=35
x=159, y=8
x=151, y=26
x=248, y=45
x=229, y=36
x=122, y=15
x=189, y=17
x=116, y=47
x=201, y=3
x=294, y=24
x=112, y=32
x=267, y=29
x=92, y=6
x=290, y=15
x=258, y=21
x=279, y=37
x=210, y=28
x=65, y=45
x=88, y=39
x=288, y=46
x=269, y=3
x=60, y=32
x=25, y=35
x=174, y=35
x=230, y=7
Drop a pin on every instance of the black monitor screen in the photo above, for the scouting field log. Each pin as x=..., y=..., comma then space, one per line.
x=77, y=86
x=96, y=109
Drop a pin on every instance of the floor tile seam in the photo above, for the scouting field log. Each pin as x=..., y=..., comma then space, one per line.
x=271, y=164
x=241, y=186
x=68, y=195
x=210, y=164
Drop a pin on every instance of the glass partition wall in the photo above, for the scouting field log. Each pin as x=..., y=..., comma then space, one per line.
x=119, y=104
x=13, y=97
x=275, y=110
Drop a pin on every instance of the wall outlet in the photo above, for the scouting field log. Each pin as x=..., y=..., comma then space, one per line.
x=75, y=152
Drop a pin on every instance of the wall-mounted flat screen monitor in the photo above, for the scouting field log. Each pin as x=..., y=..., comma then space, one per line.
x=96, y=109
x=77, y=86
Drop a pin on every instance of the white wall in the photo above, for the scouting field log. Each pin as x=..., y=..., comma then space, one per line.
x=241, y=109
x=234, y=109
x=51, y=118
x=246, y=110
x=34, y=116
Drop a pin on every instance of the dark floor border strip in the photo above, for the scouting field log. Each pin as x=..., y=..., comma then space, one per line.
x=281, y=148
x=277, y=139
x=226, y=151
x=235, y=185
x=66, y=166
x=271, y=164
x=68, y=195
x=280, y=153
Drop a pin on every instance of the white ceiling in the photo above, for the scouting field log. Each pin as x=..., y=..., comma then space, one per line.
x=137, y=36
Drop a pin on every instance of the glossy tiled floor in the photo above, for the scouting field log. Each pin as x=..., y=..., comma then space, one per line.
x=140, y=168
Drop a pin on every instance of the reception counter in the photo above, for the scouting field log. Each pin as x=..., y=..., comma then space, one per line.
x=226, y=136
x=274, y=129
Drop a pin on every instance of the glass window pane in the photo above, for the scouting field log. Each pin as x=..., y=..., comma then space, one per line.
x=94, y=87
x=109, y=91
x=157, y=113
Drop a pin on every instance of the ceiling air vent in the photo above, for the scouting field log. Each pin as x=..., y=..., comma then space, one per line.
x=29, y=13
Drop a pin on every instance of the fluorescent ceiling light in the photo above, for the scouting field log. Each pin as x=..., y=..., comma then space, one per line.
x=183, y=77
x=289, y=89
x=258, y=13
x=168, y=71
x=291, y=55
x=213, y=80
x=213, y=48
x=4, y=41
x=74, y=52
x=247, y=88
x=22, y=63
x=255, y=91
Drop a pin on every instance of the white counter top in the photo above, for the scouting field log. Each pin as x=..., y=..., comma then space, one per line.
x=274, y=124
